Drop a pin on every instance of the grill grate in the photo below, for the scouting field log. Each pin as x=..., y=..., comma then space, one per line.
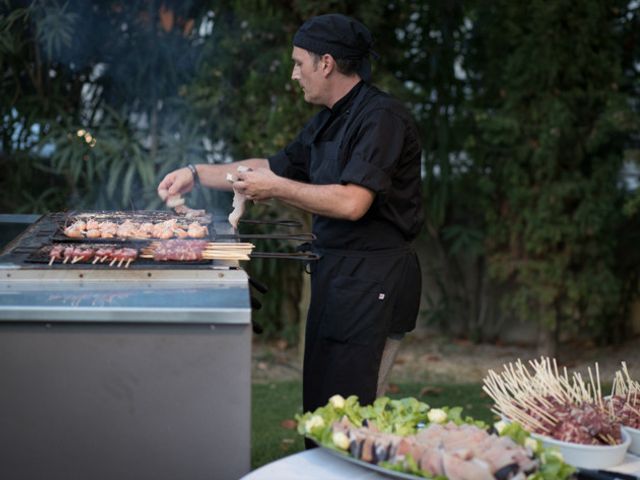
x=138, y=216
x=33, y=246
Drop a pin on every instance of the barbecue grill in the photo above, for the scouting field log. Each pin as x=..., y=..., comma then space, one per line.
x=118, y=373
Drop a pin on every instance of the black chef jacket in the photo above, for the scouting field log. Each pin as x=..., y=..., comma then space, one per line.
x=380, y=151
x=366, y=283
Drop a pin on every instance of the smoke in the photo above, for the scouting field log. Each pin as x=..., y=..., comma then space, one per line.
x=127, y=68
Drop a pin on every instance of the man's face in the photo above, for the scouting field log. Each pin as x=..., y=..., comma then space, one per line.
x=307, y=73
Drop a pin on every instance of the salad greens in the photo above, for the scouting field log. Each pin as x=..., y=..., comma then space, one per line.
x=402, y=417
x=552, y=464
x=405, y=417
x=409, y=465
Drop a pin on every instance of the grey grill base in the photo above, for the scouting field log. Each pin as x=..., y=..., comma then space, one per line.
x=124, y=401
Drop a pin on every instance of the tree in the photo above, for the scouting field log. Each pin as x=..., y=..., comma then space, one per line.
x=430, y=48
x=92, y=102
x=551, y=125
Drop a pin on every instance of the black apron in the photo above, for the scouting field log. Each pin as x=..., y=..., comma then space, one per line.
x=355, y=296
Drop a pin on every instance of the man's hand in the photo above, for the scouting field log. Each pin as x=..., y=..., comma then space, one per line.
x=176, y=183
x=257, y=184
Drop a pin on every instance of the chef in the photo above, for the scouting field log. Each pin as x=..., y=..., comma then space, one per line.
x=356, y=167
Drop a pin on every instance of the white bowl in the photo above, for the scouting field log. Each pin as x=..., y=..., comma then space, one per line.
x=589, y=456
x=634, y=433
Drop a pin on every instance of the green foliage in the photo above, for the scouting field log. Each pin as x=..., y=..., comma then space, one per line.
x=551, y=136
x=96, y=103
x=428, y=57
x=55, y=27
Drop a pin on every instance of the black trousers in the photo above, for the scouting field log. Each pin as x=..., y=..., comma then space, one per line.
x=356, y=302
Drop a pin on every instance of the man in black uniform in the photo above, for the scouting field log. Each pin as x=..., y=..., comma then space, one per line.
x=356, y=167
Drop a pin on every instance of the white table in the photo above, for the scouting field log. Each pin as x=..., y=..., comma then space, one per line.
x=318, y=464
x=631, y=465
x=315, y=464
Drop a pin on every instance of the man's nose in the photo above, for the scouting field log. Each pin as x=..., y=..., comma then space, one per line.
x=295, y=75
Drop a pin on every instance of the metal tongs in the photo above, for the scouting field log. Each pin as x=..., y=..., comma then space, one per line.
x=302, y=237
x=278, y=223
x=304, y=256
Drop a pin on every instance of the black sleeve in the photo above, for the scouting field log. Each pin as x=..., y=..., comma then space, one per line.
x=375, y=151
x=293, y=160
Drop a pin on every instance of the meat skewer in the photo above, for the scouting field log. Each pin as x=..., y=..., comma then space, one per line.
x=239, y=200
x=124, y=255
x=547, y=403
x=196, y=230
x=68, y=254
x=102, y=254
x=195, y=250
x=178, y=250
x=177, y=203
x=55, y=253
x=189, y=213
x=85, y=254
x=624, y=401
x=133, y=230
x=73, y=232
x=108, y=229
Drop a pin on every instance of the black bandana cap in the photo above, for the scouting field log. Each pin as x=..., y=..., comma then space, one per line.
x=340, y=36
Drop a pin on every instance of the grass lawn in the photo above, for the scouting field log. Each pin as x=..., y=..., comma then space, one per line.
x=273, y=434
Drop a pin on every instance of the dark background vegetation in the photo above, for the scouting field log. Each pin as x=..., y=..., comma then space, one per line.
x=529, y=115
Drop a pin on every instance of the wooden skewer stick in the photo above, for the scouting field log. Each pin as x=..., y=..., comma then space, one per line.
x=540, y=411
x=223, y=256
x=214, y=256
x=607, y=439
x=626, y=373
x=599, y=385
x=514, y=411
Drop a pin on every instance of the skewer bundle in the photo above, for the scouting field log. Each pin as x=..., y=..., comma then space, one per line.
x=93, y=229
x=74, y=254
x=624, y=403
x=190, y=250
x=549, y=402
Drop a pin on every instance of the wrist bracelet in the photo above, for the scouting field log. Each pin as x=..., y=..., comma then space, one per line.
x=194, y=172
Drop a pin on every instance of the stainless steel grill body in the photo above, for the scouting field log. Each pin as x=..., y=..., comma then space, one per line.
x=123, y=374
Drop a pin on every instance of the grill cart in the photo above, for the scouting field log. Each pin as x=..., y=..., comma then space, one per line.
x=122, y=373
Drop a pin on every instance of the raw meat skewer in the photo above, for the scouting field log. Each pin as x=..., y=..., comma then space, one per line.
x=239, y=200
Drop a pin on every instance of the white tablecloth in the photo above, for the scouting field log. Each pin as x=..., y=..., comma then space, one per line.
x=631, y=465
x=317, y=464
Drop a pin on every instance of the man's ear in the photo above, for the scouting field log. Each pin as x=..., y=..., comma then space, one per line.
x=328, y=64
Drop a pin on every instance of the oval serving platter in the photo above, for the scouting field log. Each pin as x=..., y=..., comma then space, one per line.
x=371, y=466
